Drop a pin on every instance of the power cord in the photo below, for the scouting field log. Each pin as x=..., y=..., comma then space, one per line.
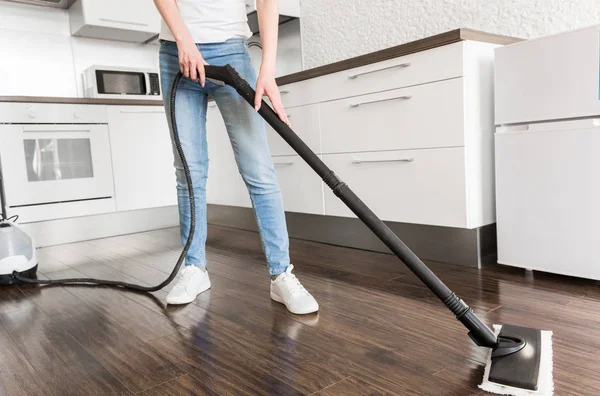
x=173, y=274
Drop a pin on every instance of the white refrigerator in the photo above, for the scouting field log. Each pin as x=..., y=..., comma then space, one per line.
x=547, y=146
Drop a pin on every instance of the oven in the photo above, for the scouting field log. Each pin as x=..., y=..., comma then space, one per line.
x=56, y=170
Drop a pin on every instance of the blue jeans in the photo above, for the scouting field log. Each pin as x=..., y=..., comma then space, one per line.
x=246, y=130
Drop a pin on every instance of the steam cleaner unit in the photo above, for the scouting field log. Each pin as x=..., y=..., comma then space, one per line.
x=519, y=359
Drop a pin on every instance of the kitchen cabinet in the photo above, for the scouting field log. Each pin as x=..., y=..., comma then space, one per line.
x=131, y=20
x=288, y=10
x=301, y=187
x=547, y=197
x=413, y=136
x=548, y=78
x=396, y=119
x=305, y=122
x=409, y=186
x=224, y=185
x=144, y=175
x=547, y=144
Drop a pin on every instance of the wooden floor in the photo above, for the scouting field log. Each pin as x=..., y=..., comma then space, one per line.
x=379, y=332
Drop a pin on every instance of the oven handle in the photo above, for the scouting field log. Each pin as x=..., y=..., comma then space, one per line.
x=40, y=130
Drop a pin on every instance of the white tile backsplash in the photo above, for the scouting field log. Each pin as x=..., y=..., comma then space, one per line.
x=34, y=64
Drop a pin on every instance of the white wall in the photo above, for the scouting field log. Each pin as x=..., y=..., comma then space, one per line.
x=38, y=56
x=333, y=30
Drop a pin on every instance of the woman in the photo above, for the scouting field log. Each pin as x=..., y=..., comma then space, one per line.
x=201, y=32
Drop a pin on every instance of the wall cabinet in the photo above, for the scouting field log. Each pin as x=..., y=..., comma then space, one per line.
x=142, y=157
x=131, y=20
x=288, y=10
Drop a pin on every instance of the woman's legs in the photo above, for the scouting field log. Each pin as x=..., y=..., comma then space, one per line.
x=246, y=131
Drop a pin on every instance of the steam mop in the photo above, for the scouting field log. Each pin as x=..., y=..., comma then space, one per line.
x=520, y=359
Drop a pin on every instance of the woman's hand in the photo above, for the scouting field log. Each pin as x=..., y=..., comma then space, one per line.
x=191, y=62
x=266, y=85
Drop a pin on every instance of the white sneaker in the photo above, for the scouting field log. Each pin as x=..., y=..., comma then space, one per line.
x=287, y=289
x=192, y=282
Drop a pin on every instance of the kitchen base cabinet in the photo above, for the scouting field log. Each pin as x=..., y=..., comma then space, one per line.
x=144, y=175
x=409, y=186
x=301, y=187
x=547, y=197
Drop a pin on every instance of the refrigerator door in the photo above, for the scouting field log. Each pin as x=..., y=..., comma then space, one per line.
x=548, y=197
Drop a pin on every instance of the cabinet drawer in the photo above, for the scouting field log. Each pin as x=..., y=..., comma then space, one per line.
x=432, y=65
x=550, y=78
x=301, y=188
x=305, y=122
x=52, y=113
x=409, y=186
x=425, y=116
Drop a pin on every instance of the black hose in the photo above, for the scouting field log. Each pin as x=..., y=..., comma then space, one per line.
x=173, y=274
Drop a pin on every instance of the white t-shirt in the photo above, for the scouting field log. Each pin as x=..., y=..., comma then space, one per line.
x=211, y=21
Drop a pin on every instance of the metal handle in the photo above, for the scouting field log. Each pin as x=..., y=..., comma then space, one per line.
x=404, y=97
x=284, y=163
x=284, y=92
x=123, y=22
x=142, y=112
x=384, y=160
x=353, y=76
x=27, y=130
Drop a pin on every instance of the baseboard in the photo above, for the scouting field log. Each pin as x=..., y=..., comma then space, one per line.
x=76, y=229
x=472, y=248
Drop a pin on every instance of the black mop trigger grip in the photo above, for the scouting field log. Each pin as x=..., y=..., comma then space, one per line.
x=508, y=344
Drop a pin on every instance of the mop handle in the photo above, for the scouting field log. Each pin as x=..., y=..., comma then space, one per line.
x=478, y=331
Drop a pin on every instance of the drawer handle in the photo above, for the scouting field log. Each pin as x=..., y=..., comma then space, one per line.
x=404, y=97
x=123, y=22
x=383, y=160
x=28, y=130
x=402, y=65
x=284, y=163
x=284, y=92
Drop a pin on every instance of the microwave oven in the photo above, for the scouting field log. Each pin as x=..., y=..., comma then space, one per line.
x=121, y=83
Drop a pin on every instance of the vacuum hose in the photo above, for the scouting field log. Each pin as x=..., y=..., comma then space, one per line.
x=186, y=247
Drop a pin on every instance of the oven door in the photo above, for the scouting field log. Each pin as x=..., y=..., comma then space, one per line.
x=44, y=164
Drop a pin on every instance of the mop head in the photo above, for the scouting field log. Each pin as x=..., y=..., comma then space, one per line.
x=545, y=384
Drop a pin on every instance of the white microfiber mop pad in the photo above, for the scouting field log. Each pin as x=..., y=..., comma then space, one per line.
x=545, y=382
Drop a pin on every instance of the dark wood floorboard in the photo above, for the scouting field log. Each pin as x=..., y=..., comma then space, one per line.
x=379, y=331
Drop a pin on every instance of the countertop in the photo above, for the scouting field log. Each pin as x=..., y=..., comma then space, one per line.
x=439, y=40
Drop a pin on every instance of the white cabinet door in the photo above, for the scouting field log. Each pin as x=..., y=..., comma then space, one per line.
x=547, y=195
x=425, y=116
x=301, y=187
x=408, y=186
x=305, y=122
x=142, y=157
x=550, y=78
x=225, y=185
x=131, y=20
